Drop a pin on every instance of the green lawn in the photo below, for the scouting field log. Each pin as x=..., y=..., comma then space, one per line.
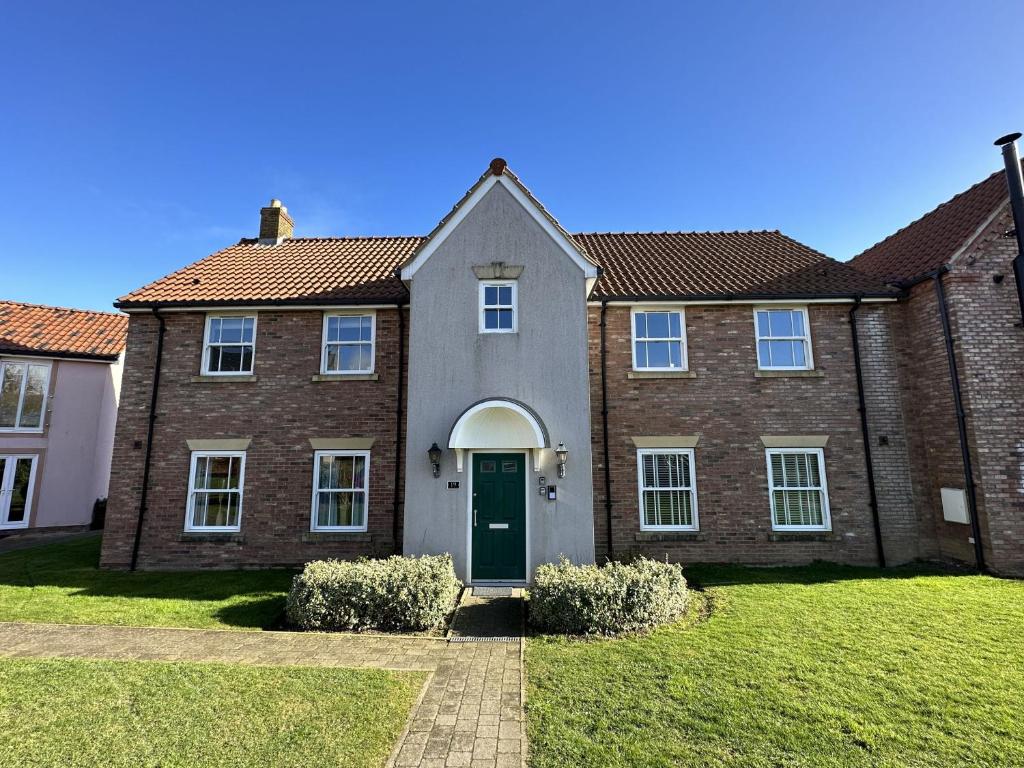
x=79, y=714
x=818, y=666
x=62, y=583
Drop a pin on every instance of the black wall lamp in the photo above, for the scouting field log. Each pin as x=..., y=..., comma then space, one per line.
x=562, y=453
x=435, y=459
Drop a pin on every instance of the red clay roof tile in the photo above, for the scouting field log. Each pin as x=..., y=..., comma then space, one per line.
x=930, y=242
x=645, y=265
x=33, y=329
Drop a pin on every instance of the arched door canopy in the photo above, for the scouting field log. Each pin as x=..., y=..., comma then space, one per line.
x=497, y=424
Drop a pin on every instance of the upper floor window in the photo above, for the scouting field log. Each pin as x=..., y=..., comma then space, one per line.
x=215, y=488
x=799, y=495
x=668, y=489
x=783, y=339
x=659, y=340
x=23, y=386
x=230, y=345
x=348, y=342
x=341, y=484
x=498, y=308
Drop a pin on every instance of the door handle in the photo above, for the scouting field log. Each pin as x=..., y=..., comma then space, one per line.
x=474, y=518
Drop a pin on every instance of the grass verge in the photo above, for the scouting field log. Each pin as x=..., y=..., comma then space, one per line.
x=62, y=583
x=816, y=666
x=86, y=714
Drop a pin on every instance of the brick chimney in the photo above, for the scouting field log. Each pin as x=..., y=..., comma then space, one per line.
x=275, y=223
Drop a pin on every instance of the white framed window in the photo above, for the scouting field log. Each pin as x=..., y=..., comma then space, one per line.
x=668, y=489
x=23, y=389
x=798, y=491
x=215, y=488
x=229, y=345
x=341, y=489
x=498, y=306
x=348, y=343
x=659, y=340
x=783, y=339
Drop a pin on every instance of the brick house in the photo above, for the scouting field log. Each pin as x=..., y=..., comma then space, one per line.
x=60, y=373
x=509, y=392
x=960, y=317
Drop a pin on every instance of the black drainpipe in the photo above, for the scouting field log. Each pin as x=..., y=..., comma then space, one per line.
x=862, y=408
x=604, y=429
x=1016, y=188
x=399, y=415
x=149, y=437
x=961, y=419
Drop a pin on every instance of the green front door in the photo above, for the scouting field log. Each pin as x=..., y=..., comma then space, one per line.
x=499, y=517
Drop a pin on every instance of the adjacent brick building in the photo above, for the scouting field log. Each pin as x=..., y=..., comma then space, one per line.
x=965, y=248
x=709, y=381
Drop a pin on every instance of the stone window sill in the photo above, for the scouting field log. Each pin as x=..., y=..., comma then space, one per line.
x=789, y=374
x=653, y=536
x=346, y=377
x=313, y=537
x=661, y=375
x=803, y=536
x=211, y=536
x=245, y=379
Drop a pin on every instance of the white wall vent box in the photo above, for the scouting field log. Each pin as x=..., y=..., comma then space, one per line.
x=954, y=505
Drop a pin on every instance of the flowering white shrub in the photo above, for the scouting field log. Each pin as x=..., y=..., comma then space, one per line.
x=393, y=594
x=606, y=600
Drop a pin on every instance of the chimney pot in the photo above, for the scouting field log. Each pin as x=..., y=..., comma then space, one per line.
x=275, y=223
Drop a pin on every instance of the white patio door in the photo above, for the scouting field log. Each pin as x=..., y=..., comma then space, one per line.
x=17, y=476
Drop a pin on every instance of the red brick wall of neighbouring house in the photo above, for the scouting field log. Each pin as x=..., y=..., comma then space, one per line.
x=730, y=409
x=989, y=339
x=931, y=417
x=280, y=411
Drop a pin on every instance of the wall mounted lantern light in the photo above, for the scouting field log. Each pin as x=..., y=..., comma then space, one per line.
x=435, y=459
x=562, y=453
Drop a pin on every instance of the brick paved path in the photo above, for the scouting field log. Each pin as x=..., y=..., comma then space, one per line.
x=470, y=713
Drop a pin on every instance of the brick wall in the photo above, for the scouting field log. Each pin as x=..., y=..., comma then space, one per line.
x=279, y=411
x=906, y=535
x=990, y=343
x=730, y=408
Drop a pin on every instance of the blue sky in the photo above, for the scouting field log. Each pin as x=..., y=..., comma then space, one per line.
x=138, y=137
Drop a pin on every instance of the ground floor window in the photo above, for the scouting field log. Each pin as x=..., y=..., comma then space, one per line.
x=799, y=494
x=668, y=489
x=215, y=491
x=341, y=484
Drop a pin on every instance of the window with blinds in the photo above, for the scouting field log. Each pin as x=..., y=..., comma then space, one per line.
x=799, y=497
x=668, y=489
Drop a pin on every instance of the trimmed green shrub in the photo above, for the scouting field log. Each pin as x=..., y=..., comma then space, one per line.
x=606, y=600
x=393, y=594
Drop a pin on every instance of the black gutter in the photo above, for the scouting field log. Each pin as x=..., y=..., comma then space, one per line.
x=399, y=416
x=1015, y=185
x=643, y=297
x=604, y=429
x=961, y=419
x=309, y=301
x=149, y=438
x=863, y=410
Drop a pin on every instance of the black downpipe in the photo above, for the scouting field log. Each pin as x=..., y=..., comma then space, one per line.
x=961, y=421
x=1015, y=185
x=149, y=438
x=863, y=410
x=604, y=429
x=399, y=415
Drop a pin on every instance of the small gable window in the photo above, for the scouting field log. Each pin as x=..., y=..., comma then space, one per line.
x=348, y=344
x=498, y=308
x=230, y=345
x=783, y=339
